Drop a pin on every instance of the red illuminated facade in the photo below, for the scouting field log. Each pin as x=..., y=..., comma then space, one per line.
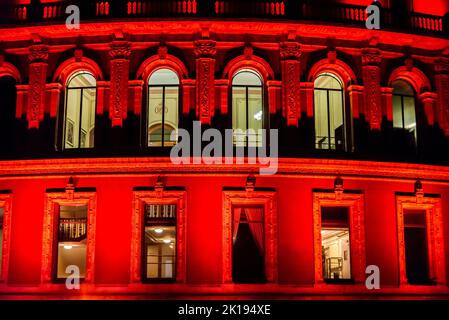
x=363, y=122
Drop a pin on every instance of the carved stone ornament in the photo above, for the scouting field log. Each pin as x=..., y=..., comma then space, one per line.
x=290, y=50
x=205, y=48
x=38, y=53
x=371, y=57
x=120, y=50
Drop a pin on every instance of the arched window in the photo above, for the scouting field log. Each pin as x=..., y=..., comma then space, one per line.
x=247, y=108
x=163, y=104
x=79, y=121
x=330, y=132
x=404, y=114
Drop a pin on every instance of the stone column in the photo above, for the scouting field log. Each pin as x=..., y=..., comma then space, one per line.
x=118, y=102
x=291, y=73
x=442, y=87
x=371, y=60
x=205, y=51
x=38, y=64
x=429, y=100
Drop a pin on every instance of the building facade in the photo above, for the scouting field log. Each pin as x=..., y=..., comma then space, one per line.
x=90, y=114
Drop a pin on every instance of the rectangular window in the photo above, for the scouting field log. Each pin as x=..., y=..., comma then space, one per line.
x=335, y=242
x=416, y=255
x=2, y=211
x=248, y=249
x=72, y=236
x=160, y=243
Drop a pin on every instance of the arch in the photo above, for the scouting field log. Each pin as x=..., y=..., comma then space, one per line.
x=253, y=62
x=73, y=65
x=8, y=69
x=418, y=80
x=338, y=68
x=156, y=62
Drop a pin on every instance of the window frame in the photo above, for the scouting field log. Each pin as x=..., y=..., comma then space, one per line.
x=147, y=105
x=141, y=198
x=54, y=200
x=262, y=94
x=6, y=204
x=355, y=203
x=265, y=199
x=344, y=111
x=66, y=95
x=434, y=228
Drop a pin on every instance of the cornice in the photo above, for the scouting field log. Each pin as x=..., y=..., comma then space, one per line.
x=286, y=166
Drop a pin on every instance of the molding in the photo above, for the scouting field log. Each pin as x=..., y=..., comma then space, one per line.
x=244, y=198
x=435, y=241
x=355, y=203
x=6, y=204
x=20, y=169
x=52, y=202
x=161, y=196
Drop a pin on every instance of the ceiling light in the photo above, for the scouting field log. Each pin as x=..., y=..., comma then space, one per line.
x=158, y=230
x=68, y=247
x=258, y=116
x=167, y=241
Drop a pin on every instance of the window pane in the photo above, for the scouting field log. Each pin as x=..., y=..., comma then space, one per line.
x=72, y=237
x=171, y=115
x=336, y=120
x=246, y=77
x=248, y=247
x=255, y=116
x=335, y=241
x=239, y=115
x=409, y=114
x=72, y=118
x=397, y=112
x=321, y=120
x=88, y=118
x=155, y=106
x=2, y=211
x=416, y=256
x=160, y=242
x=163, y=77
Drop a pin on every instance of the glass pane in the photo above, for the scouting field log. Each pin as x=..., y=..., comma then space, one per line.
x=171, y=115
x=335, y=241
x=88, y=118
x=72, y=237
x=239, y=115
x=409, y=114
x=163, y=77
x=160, y=243
x=397, y=112
x=336, y=120
x=416, y=247
x=2, y=211
x=255, y=117
x=72, y=124
x=321, y=120
x=247, y=77
x=82, y=80
x=155, y=106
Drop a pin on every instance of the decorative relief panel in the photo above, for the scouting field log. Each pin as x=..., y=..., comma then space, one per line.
x=5, y=203
x=205, y=67
x=118, y=105
x=290, y=53
x=38, y=56
x=371, y=60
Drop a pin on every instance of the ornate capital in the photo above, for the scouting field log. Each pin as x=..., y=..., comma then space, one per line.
x=38, y=53
x=371, y=57
x=290, y=50
x=120, y=50
x=205, y=48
